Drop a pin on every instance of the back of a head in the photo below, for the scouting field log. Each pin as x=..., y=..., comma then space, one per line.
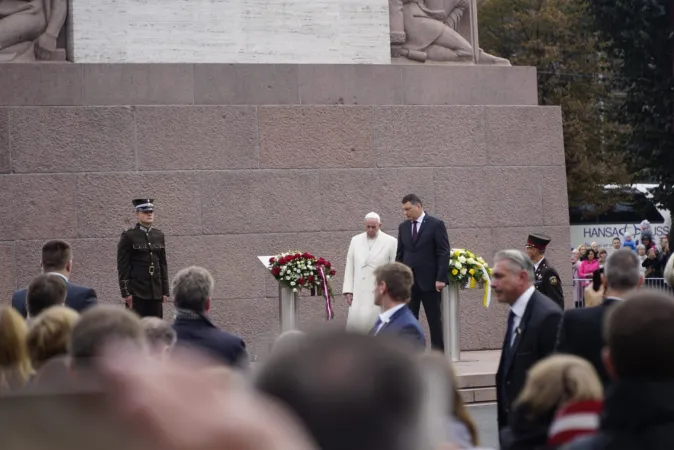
x=398, y=278
x=55, y=255
x=639, y=333
x=622, y=270
x=159, y=333
x=289, y=341
x=99, y=326
x=13, y=332
x=558, y=379
x=45, y=291
x=49, y=334
x=192, y=287
x=350, y=391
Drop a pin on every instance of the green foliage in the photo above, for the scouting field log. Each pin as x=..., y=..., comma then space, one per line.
x=640, y=41
x=558, y=38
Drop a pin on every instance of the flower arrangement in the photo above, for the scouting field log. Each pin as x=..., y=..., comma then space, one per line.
x=301, y=271
x=467, y=268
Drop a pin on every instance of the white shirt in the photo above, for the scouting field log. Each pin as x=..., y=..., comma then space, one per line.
x=65, y=278
x=518, y=309
x=537, y=264
x=385, y=317
x=419, y=220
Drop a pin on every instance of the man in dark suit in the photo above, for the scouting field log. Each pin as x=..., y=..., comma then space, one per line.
x=57, y=261
x=581, y=330
x=547, y=278
x=423, y=246
x=192, y=290
x=532, y=324
x=393, y=288
x=141, y=264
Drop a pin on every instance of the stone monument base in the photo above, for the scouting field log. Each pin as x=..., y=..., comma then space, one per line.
x=247, y=160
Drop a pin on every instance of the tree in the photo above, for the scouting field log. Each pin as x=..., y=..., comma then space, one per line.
x=558, y=38
x=640, y=41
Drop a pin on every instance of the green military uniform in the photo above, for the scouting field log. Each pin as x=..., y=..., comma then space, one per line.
x=142, y=267
x=547, y=280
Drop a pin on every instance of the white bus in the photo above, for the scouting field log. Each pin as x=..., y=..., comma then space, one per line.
x=624, y=217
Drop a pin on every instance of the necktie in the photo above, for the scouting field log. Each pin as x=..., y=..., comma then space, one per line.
x=414, y=231
x=509, y=332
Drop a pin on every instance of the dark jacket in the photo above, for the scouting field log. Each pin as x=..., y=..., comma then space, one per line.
x=581, y=334
x=535, y=340
x=141, y=263
x=548, y=283
x=526, y=432
x=403, y=324
x=428, y=257
x=638, y=415
x=197, y=331
x=78, y=298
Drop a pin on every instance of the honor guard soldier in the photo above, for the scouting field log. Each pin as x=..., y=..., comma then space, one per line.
x=141, y=264
x=547, y=279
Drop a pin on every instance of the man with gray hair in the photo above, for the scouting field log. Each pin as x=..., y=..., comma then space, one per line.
x=581, y=330
x=161, y=337
x=367, y=251
x=532, y=326
x=192, y=293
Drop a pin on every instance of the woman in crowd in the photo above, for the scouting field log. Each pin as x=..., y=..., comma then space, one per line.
x=653, y=268
x=15, y=367
x=459, y=426
x=582, y=252
x=641, y=254
x=48, y=339
x=577, y=284
x=587, y=267
x=561, y=400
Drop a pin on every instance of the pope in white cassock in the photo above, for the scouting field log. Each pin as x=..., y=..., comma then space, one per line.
x=367, y=251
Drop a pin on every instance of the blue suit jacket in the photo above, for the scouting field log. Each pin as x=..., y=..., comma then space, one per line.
x=403, y=324
x=78, y=298
x=199, y=332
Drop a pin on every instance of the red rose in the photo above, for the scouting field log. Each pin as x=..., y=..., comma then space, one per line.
x=310, y=256
x=333, y=272
x=306, y=255
x=271, y=260
x=275, y=271
x=281, y=260
x=311, y=278
x=327, y=264
x=321, y=261
x=301, y=280
x=298, y=256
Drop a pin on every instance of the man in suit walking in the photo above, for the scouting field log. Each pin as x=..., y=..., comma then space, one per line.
x=581, y=331
x=532, y=323
x=393, y=288
x=57, y=260
x=423, y=246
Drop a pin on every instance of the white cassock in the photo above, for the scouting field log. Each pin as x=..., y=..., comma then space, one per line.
x=364, y=256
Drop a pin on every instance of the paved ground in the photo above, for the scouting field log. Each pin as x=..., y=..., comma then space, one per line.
x=485, y=419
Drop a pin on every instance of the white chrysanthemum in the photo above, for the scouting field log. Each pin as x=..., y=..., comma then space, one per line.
x=292, y=283
x=463, y=271
x=287, y=277
x=458, y=265
x=462, y=259
x=294, y=289
x=471, y=261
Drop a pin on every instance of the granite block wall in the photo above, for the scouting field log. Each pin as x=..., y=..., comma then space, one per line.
x=253, y=160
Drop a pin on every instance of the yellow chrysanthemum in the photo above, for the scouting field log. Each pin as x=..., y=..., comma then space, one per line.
x=455, y=272
x=471, y=271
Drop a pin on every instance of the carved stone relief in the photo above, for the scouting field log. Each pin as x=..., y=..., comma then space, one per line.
x=433, y=30
x=29, y=30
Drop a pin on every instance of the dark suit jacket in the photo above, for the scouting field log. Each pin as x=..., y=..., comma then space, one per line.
x=403, y=324
x=429, y=256
x=581, y=334
x=78, y=298
x=549, y=283
x=199, y=332
x=535, y=341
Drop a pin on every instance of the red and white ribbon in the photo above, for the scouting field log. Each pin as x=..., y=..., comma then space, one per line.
x=329, y=313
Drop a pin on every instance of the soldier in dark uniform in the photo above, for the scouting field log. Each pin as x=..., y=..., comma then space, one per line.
x=141, y=264
x=547, y=278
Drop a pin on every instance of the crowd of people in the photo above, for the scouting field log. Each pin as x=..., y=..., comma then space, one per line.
x=653, y=257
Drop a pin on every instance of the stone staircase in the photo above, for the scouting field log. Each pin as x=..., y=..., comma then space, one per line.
x=477, y=388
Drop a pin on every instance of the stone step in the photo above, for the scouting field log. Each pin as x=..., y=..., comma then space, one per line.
x=478, y=395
